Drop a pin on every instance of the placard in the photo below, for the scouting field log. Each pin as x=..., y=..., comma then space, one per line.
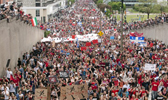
x=41, y=94
x=113, y=47
x=63, y=93
x=64, y=74
x=52, y=80
x=82, y=91
x=150, y=67
x=72, y=92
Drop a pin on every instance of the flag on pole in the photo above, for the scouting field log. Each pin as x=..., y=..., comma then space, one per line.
x=34, y=21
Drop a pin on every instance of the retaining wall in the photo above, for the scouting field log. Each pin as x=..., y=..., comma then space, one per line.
x=16, y=38
x=159, y=32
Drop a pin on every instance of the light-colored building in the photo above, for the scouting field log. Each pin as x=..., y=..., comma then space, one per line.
x=4, y=1
x=43, y=10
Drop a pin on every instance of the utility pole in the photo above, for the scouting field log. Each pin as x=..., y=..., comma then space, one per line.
x=122, y=26
x=100, y=21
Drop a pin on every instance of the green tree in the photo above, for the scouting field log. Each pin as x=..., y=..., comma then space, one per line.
x=116, y=6
x=162, y=7
x=147, y=6
x=72, y=1
x=108, y=13
x=99, y=2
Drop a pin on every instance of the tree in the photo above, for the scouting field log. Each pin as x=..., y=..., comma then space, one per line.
x=108, y=13
x=72, y=1
x=102, y=7
x=146, y=6
x=162, y=7
x=116, y=6
x=99, y=2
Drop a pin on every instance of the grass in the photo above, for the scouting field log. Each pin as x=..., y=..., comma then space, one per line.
x=130, y=18
x=132, y=10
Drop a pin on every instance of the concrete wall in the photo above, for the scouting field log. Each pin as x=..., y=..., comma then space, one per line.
x=16, y=38
x=159, y=32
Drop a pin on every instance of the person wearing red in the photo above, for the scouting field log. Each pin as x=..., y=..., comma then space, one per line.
x=155, y=85
x=165, y=81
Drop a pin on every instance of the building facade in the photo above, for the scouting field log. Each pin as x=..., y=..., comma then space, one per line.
x=126, y=2
x=4, y=1
x=43, y=10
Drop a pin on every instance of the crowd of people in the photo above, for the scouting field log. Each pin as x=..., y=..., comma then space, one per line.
x=9, y=11
x=109, y=72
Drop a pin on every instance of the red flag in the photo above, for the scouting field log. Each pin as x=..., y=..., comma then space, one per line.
x=88, y=43
x=73, y=24
x=84, y=9
x=151, y=44
x=83, y=48
x=94, y=10
x=95, y=41
x=73, y=36
x=11, y=78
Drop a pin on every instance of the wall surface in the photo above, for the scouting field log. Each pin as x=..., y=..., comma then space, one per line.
x=16, y=39
x=159, y=32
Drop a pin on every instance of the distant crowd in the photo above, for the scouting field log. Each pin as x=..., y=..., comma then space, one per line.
x=109, y=72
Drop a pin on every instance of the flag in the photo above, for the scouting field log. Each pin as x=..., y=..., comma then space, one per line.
x=95, y=41
x=136, y=39
x=142, y=44
x=111, y=37
x=34, y=21
x=84, y=9
x=83, y=48
x=73, y=36
x=80, y=23
x=11, y=78
x=88, y=43
x=94, y=10
x=77, y=42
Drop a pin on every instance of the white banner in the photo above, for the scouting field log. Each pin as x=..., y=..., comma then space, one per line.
x=150, y=67
x=83, y=38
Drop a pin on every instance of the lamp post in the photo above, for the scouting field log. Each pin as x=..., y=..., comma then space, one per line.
x=122, y=26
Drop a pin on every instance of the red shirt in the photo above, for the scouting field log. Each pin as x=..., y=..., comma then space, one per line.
x=142, y=93
x=165, y=83
x=155, y=86
x=114, y=91
x=94, y=87
x=16, y=81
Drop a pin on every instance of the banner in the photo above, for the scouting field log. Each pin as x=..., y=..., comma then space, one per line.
x=41, y=94
x=150, y=67
x=63, y=93
x=64, y=74
x=72, y=92
x=82, y=91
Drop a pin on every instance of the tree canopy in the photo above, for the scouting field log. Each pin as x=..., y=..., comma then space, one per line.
x=116, y=5
x=147, y=6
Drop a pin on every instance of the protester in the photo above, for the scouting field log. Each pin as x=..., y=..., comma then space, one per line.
x=109, y=72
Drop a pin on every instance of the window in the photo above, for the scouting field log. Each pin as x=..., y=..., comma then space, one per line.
x=37, y=4
x=44, y=19
x=37, y=0
x=37, y=13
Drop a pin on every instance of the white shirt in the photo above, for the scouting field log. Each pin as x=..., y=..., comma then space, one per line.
x=12, y=87
x=6, y=93
x=126, y=86
x=8, y=73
